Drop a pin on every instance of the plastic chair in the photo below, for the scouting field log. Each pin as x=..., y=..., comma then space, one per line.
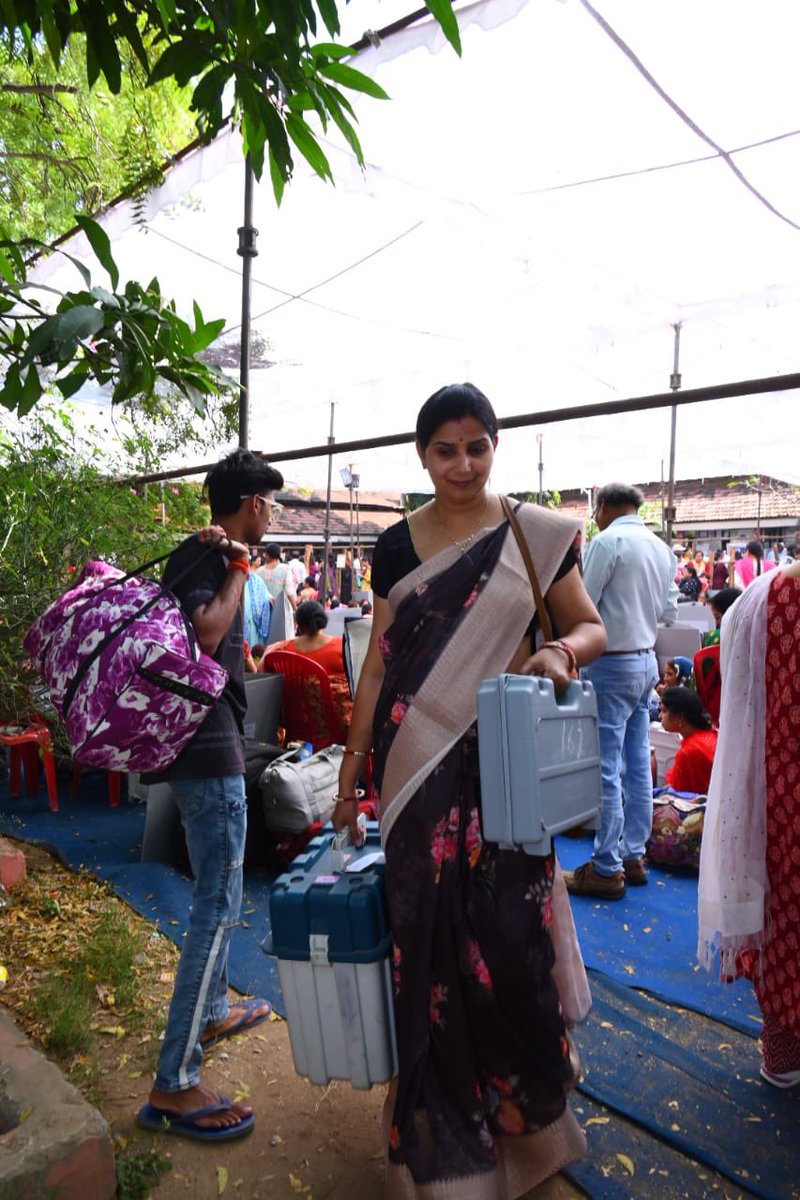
x=308, y=712
x=24, y=747
x=114, y=785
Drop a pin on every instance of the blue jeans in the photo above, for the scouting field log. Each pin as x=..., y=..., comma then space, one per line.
x=623, y=683
x=214, y=816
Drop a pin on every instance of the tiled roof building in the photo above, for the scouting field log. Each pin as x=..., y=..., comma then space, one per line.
x=302, y=519
x=718, y=509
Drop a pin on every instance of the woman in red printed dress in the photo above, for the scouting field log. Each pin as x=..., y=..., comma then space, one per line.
x=749, y=889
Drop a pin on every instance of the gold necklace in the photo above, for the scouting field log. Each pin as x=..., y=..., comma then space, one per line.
x=462, y=543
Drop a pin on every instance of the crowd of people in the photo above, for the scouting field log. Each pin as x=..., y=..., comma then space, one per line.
x=699, y=575
x=487, y=973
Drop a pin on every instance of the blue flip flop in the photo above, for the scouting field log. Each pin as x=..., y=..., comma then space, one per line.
x=246, y=1021
x=160, y=1120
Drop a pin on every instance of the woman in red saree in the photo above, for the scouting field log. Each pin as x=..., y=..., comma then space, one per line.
x=749, y=886
x=487, y=973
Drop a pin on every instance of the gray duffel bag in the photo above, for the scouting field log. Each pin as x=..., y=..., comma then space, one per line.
x=297, y=792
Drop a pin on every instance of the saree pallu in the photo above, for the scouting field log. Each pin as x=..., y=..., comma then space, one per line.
x=478, y=1110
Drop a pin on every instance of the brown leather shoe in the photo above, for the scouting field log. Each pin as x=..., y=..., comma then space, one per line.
x=635, y=873
x=585, y=881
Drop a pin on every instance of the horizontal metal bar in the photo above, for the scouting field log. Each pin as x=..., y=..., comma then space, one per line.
x=722, y=391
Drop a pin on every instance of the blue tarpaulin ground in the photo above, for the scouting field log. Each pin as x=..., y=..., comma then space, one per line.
x=675, y=1096
x=649, y=940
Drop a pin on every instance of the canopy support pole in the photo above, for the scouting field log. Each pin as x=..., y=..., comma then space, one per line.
x=674, y=383
x=325, y=592
x=247, y=252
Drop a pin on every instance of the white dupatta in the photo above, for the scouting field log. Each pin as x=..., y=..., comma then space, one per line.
x=733, y=886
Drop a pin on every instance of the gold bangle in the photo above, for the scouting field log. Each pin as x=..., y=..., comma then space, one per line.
x=347, y=799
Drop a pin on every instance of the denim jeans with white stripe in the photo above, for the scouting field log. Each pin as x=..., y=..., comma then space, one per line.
x=214, y=817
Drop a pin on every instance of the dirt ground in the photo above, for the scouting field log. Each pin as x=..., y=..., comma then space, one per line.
x=309, y=1141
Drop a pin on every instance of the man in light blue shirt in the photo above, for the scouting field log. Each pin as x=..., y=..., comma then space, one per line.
x=629, y=574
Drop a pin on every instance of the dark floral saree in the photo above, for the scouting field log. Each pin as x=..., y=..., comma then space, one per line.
x=483, y=1047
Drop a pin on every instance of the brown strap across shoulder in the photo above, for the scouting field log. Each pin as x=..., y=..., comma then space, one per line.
x=544, y=616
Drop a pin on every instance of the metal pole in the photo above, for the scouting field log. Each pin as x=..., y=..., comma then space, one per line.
x=328, y=513
x=350, y=469
x=539, y=439
x=758, y=518
x=578, y=412
x=358, y=528
x=247, y=252
x=674, y=383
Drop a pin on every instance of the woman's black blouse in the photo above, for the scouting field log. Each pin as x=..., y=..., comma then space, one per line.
x=394, y=557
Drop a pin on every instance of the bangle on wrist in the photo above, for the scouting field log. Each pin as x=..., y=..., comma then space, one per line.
x=238, y=564
x=357, y=753
x=565, y=649
x=359, y=795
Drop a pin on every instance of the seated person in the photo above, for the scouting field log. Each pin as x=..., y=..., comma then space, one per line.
x=707, y=677
x=690, y=586
x=719, y=605
x=311, y=620
x=677, y=673
x=257, y=652
x=682, y=712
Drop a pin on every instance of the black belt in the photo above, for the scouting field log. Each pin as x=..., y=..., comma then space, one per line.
x=645, y=650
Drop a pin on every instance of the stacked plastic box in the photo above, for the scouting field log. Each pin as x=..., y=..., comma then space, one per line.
x=331, y=937
x=539, y=760
x=666, y=746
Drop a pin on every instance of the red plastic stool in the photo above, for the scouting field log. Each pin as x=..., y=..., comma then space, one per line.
x=114, y=781
x=24, y=747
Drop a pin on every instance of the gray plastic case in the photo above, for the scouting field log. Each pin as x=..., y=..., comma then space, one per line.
x=539, y=760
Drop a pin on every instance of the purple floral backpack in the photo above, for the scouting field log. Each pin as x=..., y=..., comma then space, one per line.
x=124, y=671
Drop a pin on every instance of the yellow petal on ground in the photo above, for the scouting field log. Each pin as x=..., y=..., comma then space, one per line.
x=606, y=1025
x=222, y=1179
x=295, y=1183
x=626, y=1162
x=112, y=1030
x=273, y=1016
x=647, y=929
x=628, y=969
x=673, y=1104
x=752, y=1118
x=724, y=1046
x=591, y=1121
x=26, y=1112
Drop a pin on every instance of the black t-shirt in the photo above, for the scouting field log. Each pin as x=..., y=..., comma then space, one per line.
x=218, y=746
x=394, y=557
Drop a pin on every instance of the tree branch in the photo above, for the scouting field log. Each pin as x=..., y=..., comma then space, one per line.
x=39, y=156
x=37, y=89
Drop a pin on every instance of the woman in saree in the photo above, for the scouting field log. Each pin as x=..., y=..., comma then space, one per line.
x=750, y=856
x=487, y=973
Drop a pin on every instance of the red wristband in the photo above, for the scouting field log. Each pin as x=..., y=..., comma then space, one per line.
x=238, y=564
x=565, y=649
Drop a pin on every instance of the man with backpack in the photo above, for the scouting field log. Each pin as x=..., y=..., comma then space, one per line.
x=207, y=782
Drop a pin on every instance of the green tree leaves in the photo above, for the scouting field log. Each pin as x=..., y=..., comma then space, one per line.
x=133, y=340
x=254, y=61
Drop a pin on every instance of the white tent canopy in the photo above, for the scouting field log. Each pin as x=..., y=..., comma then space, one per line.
x=536, y=216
